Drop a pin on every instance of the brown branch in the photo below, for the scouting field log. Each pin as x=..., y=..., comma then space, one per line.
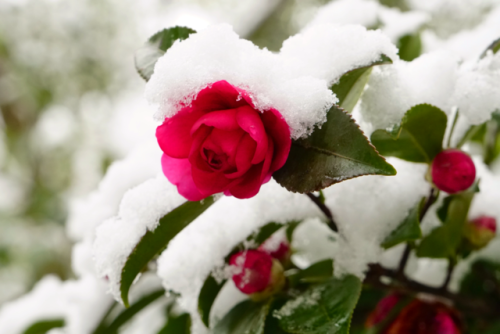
x=325, y=210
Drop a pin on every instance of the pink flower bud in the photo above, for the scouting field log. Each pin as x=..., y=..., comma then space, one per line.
x=453, y=171
x=422, y=317
x=480, y=231
x=277, y=248
x=257, y=274
x=382, y=310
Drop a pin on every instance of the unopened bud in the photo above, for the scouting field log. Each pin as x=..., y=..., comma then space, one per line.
x=480, y=231
x=453, y=171
x=278, y=248
x=257, y=274
x=382, y=310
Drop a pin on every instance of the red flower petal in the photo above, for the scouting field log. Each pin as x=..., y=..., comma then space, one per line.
x=250, y=121
x=178, y=172
x=220, y=119
x=279, y=131
x=174, y=135
x=219, y=96
x=253, y=270
x=243, y=156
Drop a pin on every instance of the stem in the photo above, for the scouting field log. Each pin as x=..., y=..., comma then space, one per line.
x=455, y=119
x=406, y=254
x=449, y=273
x=325, y=210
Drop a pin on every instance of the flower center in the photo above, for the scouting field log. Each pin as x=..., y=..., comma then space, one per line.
x=214, y=160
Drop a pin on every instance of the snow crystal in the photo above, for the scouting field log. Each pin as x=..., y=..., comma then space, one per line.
x=337, y=50
x=393, y=23
x=217, y=53
x=368, y=209
x=140, y=211
x=201, y=247
x=394, y=89
x=309, y=299
x=477, y=89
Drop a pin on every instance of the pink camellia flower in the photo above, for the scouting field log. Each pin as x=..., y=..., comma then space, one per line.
x=382, y=310
x=453, y=171
x=480, y=231
x=421, y=317
x=257, y=274
x=222, y=143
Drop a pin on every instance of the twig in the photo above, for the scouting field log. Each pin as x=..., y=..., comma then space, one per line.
x=406, y=254
x=449, y=273
x=325, y=210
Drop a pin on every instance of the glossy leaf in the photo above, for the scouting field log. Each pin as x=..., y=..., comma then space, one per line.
x=408, y=230
x=338, y=151
x=494, y=47
x=42, y=327
x=410, y=46
x=315, y=273
x=155, y=241
x=444, y=240
x=322, y=309
x=177, y=325
x=130, y=312
x=206, y=299
x=352, y=84
x=248, y=317
x=158, y=44
x=419, y=138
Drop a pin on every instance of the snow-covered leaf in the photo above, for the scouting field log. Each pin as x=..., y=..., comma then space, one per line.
x=351, y=84
x=155, y=241
x=158, y=44
x=419, y=137
x=322, y=309
x=206, y=299
x=315, y=273
x=336, y=152
x=494, y=47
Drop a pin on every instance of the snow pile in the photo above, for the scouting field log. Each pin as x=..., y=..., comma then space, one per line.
x=201, y=247
x=391, y=21
x=294, y=82
x=477, y=89
x=393, y=89
x=368, y=209
x=140, y=210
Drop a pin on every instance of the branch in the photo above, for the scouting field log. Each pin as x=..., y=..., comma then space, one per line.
x=325, y=210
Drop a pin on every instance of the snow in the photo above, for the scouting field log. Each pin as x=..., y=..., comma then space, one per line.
x=140, y=211
x=294, y=81
x=201, y=247
x=393, y=89
x=368, y=209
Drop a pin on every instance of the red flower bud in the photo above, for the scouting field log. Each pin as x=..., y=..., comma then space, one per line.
x=382, y=310
x=453, y=171
x=421, y=317
x=278, y=249
x=257, y=274
x=480, y=231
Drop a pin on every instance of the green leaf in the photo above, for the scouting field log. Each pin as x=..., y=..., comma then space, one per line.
x=206, y=299
x=177, y=325
x=444, y=240
x=336, y=152
x=42, y=327
x=352, y=84
x=419, y=137
x=481, y=281
x=316, y=273
x=290, y=229
x=155, y=241
x=410, y=46
x=494, y=47
x=264, y=233
x=322, y=309
x=129, y=313
x=408, y=230
x=248, y=317
x=158, y=44
x=442, y=211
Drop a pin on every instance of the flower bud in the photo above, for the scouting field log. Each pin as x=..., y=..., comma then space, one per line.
x=382, y=310
x=480, y=231
x=257, y=274
x=421, y=317
x=453, y=171
x=278, y=247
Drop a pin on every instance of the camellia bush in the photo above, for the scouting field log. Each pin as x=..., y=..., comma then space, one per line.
x=345, y=184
